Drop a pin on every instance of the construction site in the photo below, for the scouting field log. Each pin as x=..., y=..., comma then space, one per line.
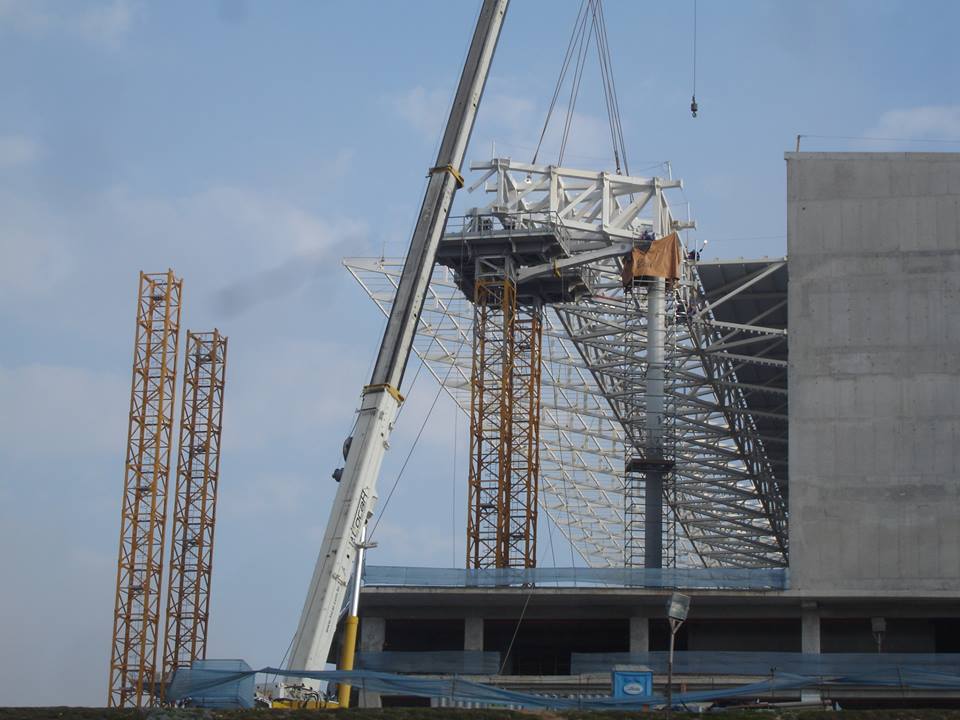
x=753, y=461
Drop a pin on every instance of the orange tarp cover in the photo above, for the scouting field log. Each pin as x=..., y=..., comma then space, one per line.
x=661, y=259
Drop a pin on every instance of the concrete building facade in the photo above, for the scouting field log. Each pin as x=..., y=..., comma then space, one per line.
x=874, y=482
x=874, y=377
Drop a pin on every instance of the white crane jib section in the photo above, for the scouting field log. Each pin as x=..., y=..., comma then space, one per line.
x=357, y=494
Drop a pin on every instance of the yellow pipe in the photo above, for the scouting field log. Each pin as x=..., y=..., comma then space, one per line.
x=346, y=657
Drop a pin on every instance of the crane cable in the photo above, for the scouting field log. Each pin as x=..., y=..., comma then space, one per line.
x=586, y=36
x=693, y=97
x=589, y=24
x=609, y=88
x=563, y=72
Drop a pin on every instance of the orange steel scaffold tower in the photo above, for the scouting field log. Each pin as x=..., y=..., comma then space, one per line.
x=504, y=427
x=194, y=516
x=143, y=516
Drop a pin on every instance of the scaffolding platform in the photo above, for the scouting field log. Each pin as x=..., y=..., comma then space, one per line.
x=493, y=236
x=645, y=465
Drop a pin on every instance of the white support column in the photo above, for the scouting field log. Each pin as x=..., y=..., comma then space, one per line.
x=639, y=634
x=473, y=633
x=373, y=632
x=810, y=642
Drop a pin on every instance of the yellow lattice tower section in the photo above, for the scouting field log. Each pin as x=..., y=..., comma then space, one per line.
x=195, y=501
x=518, y=494
x=143, y=515
x=504, y=428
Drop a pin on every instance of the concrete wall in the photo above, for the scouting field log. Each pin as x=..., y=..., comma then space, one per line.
x=874, y=307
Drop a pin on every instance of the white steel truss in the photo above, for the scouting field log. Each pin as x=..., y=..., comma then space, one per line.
x=727, y=497
x=581, y=444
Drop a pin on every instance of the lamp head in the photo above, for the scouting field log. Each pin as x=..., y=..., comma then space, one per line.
x=678, y=606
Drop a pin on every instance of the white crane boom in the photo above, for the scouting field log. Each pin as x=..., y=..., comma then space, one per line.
x=357, y=493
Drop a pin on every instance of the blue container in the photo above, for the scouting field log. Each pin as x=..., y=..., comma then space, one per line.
x=632, y=683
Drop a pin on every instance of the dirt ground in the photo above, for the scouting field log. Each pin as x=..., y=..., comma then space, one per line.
x=65, y=713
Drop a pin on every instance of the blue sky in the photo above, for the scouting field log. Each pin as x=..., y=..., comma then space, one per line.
x=251, y=145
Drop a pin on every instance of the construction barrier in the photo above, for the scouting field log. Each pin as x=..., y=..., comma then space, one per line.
x=189, y=684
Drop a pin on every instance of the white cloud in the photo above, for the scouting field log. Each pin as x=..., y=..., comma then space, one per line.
x=252, y=245
x=228, y=218
x=17, y=151
x=32, y=263
x=274, y=493
x=513, y=123
x=58, y=410
x=103, y=23
x=424, y=544
x=425, y=110
x=24, y=15
x=107, y=23
x=315, y=383
x=516, y=114
x=926, y=122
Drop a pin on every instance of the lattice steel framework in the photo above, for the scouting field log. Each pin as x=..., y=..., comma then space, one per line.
x=195, y=508
x=490, y=382
x=519, y=520
x=728, y=496
x=140, y=565
x=581, y=444
x=504, y=424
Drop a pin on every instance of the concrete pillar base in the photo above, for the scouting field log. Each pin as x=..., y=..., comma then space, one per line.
x=810, y=642
x=473, y=633
x=373, y=632
x=639, y=634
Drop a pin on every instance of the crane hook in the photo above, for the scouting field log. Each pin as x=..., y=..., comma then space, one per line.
x=693, y=105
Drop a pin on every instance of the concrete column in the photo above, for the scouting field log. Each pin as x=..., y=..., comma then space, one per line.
x=473, y=633
x=810, y=628
x=373, y=632
x=810, y=642
x=639, y=634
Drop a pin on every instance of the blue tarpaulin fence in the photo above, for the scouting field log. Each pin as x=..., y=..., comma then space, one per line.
x=433, y=662
x=763, y=663
x=192, y=683
x=683, y=578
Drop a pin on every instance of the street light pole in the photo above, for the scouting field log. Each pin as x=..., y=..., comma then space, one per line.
x=673, y=633
x=677, y=608
x=879, y=626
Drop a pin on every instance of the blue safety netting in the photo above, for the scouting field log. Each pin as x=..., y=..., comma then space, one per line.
x=214, y=684
x=680, y=578
x=764, y=663
x=439, y=662
x=192, y=684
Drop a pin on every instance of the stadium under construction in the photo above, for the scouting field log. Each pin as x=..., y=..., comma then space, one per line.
x=755, y=461
x=831, y=374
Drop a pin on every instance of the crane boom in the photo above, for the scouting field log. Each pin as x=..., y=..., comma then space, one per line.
x=364, y=451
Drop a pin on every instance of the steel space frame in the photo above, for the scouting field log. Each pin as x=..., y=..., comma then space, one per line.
x=725, y=499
